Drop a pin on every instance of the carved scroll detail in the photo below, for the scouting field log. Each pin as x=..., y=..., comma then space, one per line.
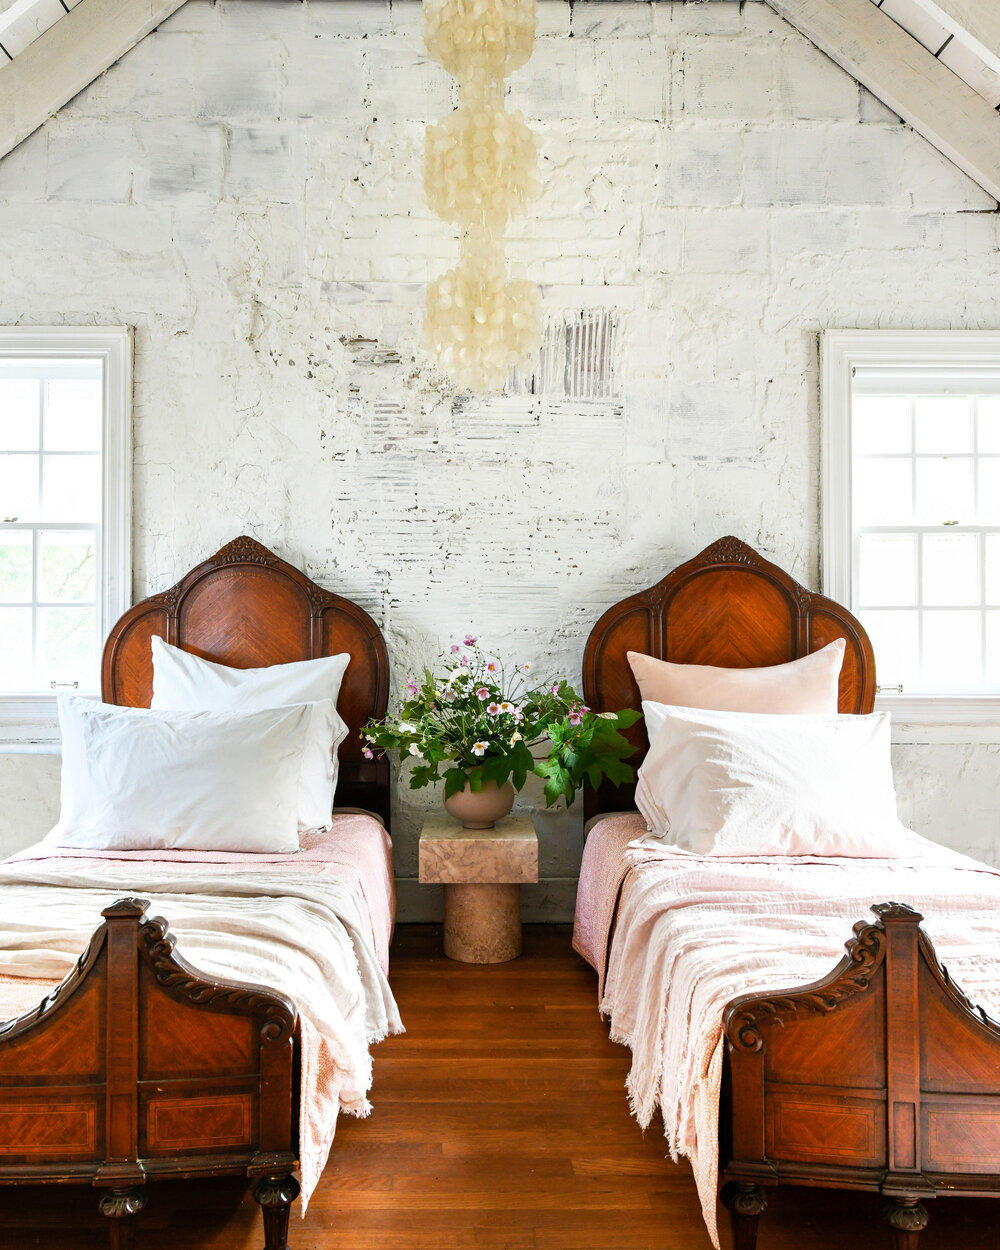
x=865, y=951
x=64, y=990
x=173, y=974
x=730, y=550
x=244, y=550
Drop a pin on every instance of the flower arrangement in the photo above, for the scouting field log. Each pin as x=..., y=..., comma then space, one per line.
x=472, y=722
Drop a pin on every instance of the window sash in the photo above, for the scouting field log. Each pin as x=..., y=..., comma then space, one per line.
x=911, y=362
x=27, y=718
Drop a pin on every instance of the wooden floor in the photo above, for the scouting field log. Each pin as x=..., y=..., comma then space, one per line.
x=500, y=1123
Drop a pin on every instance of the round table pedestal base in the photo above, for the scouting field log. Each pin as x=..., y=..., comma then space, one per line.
x=482, y=923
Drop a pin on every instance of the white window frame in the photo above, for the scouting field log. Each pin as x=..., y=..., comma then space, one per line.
x=916, y=717
x=29, y=722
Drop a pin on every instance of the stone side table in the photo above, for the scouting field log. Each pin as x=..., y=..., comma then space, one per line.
x=481, y=871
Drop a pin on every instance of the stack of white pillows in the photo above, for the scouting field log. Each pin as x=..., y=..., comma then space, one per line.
x=224, y=759
x=758, y=761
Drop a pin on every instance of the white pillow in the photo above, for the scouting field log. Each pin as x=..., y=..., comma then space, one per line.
x=134, y=779
x=186, y=683
x=736, y=783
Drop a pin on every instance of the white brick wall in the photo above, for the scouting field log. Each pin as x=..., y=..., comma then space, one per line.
x=245, y=188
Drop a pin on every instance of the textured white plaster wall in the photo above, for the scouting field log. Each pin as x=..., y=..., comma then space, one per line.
x=245, y=189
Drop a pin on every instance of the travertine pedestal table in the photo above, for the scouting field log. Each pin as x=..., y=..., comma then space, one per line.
x=481, y=871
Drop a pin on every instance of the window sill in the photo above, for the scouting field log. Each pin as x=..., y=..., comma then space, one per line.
x=942, y=718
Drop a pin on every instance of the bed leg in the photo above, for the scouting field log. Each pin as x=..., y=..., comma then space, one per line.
x=907, y=1217
x=275, y=1195
x=121, y=1206
x=746, y=1203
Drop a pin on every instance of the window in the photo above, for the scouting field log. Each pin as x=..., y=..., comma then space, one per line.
x=911, y=512
x=65, y=468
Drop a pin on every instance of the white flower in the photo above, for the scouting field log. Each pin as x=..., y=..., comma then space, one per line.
x=516, y=737
x=479, y=748
x=414, y=748
x=527, y=667
x=406, y=728
x=507, y=707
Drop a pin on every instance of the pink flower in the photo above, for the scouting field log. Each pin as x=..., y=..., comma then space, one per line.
x=482, y=693
x=411, y=686
x=527, y=667
x=464, y=660
x=575, y=718
x=494, y=709
x=368, y=753
x=469, y=641
x=492, y=666
x=555, y=689
x=455, y=647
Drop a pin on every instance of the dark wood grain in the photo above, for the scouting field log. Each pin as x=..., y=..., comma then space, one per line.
x=104, y=1114
x=248, y=608
x=139, y=1066
x=728, y=607
x=882, y=1077
x=500, y=1122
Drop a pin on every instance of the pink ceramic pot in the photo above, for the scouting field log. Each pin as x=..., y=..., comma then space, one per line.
x=483, y=808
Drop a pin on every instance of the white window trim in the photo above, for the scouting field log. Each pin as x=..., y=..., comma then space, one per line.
x=916, y=718
x=28, y=722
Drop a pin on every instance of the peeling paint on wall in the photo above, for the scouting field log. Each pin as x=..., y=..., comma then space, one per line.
x=245, y=189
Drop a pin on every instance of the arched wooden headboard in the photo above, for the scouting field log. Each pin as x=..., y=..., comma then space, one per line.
x=728, y=607
x=247, y=608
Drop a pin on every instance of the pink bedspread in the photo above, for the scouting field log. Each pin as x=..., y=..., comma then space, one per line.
x=691, y=933
x=356, y=850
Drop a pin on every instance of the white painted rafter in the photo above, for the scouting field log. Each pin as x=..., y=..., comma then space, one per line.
x=976, y=23
x=67, y=57
x=905, y=76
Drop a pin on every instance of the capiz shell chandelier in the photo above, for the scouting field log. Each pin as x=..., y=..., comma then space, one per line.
x=481, y=166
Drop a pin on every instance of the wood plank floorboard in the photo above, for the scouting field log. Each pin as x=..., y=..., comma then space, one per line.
x=501, y=1123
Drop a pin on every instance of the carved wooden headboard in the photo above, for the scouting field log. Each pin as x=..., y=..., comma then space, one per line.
x=247, y=608
x=728, y=607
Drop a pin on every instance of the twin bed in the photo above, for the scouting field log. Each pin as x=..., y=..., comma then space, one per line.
x=141, y=1064
x=875, y=1072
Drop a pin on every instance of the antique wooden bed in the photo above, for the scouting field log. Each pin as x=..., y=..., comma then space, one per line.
x=137, y=1066
x=882, y=1076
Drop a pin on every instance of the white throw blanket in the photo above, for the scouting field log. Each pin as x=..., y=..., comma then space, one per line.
x=694, y=932
x=303, y=933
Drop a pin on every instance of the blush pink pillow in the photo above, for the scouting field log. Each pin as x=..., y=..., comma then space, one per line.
x=801, y=687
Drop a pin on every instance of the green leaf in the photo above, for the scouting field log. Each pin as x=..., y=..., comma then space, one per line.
x=454, y=781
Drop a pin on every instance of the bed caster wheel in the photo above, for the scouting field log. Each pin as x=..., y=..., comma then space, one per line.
x=121, y=1206
x=275, y=1195
x=746, y=1204
x=907, y=1217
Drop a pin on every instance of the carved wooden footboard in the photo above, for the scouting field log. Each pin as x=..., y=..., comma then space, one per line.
x=137, y=1067
x=882, y=1076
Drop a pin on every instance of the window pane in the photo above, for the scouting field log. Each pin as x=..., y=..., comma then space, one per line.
x=880, y=423
x=18, y=488
x=15, y=566
x=68, y=566
x=15, y=649
x=989, y=491
x=952, y=649
x=989, y=422
x=943, y=423
x=66, y=646
x=944, y=490
x=887, y=570
x=993, y=569
x=951, y=569
x=883, y=492
x=73, y=412
x=18, y=414
x=993, y=647
x=895, y=638
x=71, y=488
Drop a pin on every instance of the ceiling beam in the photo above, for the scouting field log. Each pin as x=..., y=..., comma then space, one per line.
x=68, y=57
x=976, y=23
x=906, y=77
